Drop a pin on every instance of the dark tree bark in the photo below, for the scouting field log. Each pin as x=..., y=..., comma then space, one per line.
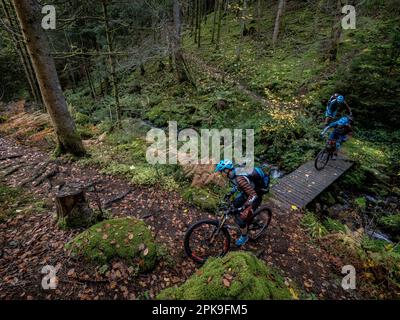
x=279, y=14
x=336, y=33
x=179, y=61
x=220, y=14
x=21, y=51
x=214, y=21
x=112, y=62
x=199, y=10
x=242, y=27
x=29, y=17
x=73, y=210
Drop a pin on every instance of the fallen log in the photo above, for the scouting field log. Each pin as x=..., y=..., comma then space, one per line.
x=117, y=198
x=9, y=165
x=45, y=176
x=12, y=170
x=36, y=174
x=14, y=156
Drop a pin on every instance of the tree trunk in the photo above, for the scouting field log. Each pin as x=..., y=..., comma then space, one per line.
x=111, y=58
x=220, y=13
x=20, y=51
x=73, y=209
x=89, y=79
x=242, y=26
x=179, y=61
x=336, y=33
x=29, y=17
x=258, y=17
x=216, y=2
x=199, y=16
x=196, y=19
x=28, y=59
x=279, y=14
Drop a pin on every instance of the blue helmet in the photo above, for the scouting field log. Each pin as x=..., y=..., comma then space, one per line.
x=224, y=164
x=340, y=99
x=345, y=121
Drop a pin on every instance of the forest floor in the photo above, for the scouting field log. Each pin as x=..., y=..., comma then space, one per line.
x=29, y=241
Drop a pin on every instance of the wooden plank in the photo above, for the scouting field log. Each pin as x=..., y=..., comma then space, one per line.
x=287, y=198
x=303, y=185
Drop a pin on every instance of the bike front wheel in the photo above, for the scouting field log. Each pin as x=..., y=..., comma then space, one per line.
x=206, y=239
x=260, y=223
x=322, y=159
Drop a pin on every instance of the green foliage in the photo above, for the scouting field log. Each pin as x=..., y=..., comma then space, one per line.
x=237, y=276
x=13, y=83
x=373, y=75
x=333, y=225
x=361, y=203
x=126, y=238
x=383, y=260
x=390, y=223
x=313, y=226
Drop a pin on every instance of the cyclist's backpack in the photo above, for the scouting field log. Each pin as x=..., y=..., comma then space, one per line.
x=259, y=177
x=335, y=96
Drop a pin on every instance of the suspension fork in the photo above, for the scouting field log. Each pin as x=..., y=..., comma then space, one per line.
x=216, y=232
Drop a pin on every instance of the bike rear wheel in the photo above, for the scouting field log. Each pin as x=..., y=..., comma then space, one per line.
x=260, y=224
x=322, y=159
x=205, y=239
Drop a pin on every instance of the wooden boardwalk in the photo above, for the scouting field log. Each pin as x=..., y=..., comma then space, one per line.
x=303, y=185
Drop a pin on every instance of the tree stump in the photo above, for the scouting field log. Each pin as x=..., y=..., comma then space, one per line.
x=73, y=210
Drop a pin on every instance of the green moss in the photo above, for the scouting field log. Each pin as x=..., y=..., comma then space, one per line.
x=246, y=278
x=202, y=198
x=14, y=201
x=128, y=239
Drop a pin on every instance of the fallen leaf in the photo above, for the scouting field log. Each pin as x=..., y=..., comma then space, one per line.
x=226, y=282
x=71, y=272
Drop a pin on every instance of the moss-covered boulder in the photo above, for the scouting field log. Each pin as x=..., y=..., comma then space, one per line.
x=126, y=238
x=201, y=198
x=238, y=276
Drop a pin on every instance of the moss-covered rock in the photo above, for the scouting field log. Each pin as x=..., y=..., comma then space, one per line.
x=127, y=238
x=201, y=198
x=238, y=276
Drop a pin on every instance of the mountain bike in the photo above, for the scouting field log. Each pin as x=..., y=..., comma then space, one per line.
x=325, y=155
x=211, y=238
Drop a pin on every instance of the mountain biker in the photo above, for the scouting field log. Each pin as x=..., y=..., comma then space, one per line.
x=342, y=128
x=335, y=104
x=251, y=191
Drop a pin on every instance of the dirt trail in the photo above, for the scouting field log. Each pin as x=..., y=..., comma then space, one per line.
x=31, y=241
